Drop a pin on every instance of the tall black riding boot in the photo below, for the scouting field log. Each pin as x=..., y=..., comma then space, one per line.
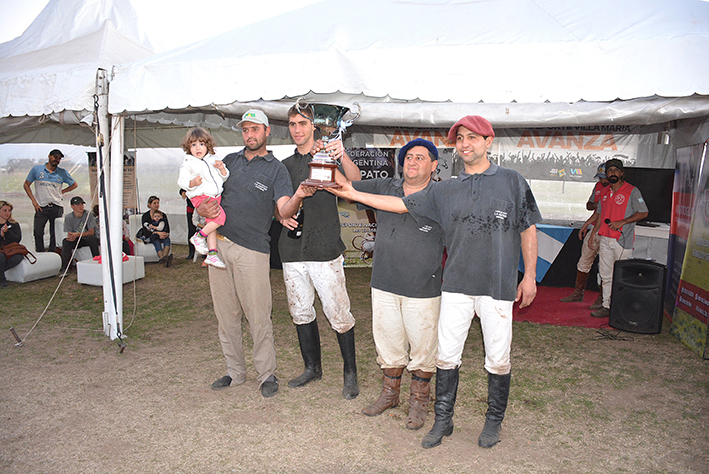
x=498, y=390
x=446, y=391
x=350, y=388
x=309, y=340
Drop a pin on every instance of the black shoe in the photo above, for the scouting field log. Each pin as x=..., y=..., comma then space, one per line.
x=4, y=284
x=168, y=260
x=189, y=257
x=221, y=383
x=270, y=387
x=439, y=429
x=446, y=392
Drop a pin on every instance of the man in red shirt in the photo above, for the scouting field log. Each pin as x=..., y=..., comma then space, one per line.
x=620, y=207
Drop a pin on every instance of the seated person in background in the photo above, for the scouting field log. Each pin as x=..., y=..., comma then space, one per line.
x=80, y=228
x=159, y=238
x=9, y=232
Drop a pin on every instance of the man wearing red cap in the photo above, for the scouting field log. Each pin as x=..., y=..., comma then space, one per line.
x=487, y=214
x=406, y=287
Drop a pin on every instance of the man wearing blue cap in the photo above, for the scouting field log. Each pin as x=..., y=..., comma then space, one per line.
x=406, y=286
x=487, y=214
x=588, y=253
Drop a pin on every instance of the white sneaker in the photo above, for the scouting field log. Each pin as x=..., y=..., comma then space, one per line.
x=214, y=261
x=200, y=243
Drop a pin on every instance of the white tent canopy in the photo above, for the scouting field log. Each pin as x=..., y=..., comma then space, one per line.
x=426, y=63
x=48, y=75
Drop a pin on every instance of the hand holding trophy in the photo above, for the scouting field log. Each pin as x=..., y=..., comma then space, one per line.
x=330, y=121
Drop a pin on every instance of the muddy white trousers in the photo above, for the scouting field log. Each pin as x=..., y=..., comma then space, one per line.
x=457, y=313
x=405, y=330
x=302, y=279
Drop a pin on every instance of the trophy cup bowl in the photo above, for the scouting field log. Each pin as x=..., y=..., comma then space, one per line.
x=329, y=120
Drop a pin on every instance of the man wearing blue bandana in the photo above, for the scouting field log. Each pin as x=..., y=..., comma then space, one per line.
x=406, y=286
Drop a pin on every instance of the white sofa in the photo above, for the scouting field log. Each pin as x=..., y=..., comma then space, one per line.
x=47, y=265
x=178, y=235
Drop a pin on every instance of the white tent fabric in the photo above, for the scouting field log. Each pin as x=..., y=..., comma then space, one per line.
x=48, y=75
x=417, y=62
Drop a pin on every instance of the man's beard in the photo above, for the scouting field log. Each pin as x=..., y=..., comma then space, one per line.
x=613, y=179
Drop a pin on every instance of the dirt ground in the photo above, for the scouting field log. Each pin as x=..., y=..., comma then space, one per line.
x=71, y=402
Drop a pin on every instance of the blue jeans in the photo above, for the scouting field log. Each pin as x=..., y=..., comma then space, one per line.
x=158, y=243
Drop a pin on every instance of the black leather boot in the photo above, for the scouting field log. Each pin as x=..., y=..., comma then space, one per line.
x=446, y=391
x=350, y=388
x=309, y=340
x=498, y=391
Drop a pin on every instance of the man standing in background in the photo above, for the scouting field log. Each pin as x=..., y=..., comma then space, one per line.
x=48, y=205
x=588, y=253
x=620, y=207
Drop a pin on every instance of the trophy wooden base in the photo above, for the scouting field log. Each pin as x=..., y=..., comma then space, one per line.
x=321, y=184
x=322, y=175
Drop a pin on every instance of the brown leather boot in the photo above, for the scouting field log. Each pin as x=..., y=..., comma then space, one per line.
x=418, y=400
x=389, y=398
x=579, y=289
x=599, y=301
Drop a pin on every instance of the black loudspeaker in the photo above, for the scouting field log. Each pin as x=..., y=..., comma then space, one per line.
x=638, y=296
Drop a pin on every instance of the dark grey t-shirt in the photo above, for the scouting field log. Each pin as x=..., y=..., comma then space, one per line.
x=482, y=216
x=249, y=198
x=321, y=241
x=407, y=255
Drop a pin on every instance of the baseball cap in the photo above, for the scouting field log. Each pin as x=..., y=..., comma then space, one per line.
x=77, y=200
x=474, y=123
x=601, y=173
x=417, y=142
x=255, y=116
x=56, y=152
x=614, y=162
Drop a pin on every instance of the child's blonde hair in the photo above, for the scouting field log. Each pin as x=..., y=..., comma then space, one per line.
x=198, y=134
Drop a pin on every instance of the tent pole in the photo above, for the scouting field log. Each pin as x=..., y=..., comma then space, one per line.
x=116, y=217
x=102, y=147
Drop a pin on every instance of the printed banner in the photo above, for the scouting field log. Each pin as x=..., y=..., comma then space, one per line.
x=359, y=228
x=685, y=188
x=689, y=323
x=558, y=153
x=130, y=194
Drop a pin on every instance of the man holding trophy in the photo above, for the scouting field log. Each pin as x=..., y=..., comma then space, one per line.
x=310, y=246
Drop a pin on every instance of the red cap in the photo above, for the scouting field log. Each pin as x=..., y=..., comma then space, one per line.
x=475, y=124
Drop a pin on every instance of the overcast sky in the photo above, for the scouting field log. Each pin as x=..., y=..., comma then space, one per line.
x=165, y=21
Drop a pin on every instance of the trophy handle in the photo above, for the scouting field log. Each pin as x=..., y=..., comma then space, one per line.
x=343, y=124
x=299, y=106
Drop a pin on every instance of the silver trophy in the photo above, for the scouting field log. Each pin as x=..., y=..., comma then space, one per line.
x=330, y=120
